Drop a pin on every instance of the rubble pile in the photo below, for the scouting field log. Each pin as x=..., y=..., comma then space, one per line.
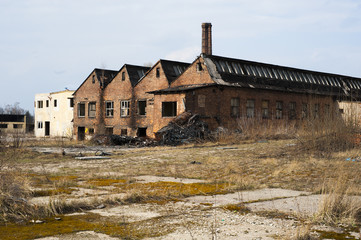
x=184, y=128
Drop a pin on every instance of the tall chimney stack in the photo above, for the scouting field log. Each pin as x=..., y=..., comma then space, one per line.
x=207, y=38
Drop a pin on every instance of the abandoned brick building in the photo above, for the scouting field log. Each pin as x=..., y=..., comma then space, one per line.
x=138, y=101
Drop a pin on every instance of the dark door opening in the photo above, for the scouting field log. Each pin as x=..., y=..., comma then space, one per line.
x=47, y=128
x=81, y=133
x=142, y=132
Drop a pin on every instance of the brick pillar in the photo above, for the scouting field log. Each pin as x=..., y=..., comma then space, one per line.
x=207, y=38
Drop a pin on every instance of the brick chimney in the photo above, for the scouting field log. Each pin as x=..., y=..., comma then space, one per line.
x=207, y=38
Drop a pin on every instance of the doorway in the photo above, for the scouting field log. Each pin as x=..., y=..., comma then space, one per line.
x=81, y=133
x=142, y=132
x=47, y=129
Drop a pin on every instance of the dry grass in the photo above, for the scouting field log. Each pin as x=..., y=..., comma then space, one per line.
x=339, y=206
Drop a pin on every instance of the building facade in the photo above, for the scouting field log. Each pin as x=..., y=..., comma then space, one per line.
x=12, y=123
x=222, y=91
x=54, y=114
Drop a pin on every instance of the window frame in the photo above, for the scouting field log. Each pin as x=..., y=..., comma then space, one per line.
x=124, y=108
x=92, y=112
x=81, y=104
x=109, y=109
x=250, y=108
x=292, y=112
x=265, y=109
x=235, y=107
x=279, y=109
x=142, y=110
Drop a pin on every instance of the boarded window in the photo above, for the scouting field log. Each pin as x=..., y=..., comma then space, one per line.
x=202, y=101
x=304, y=110
x=250, y=108
x=91, y=109
x=124, y=108
x=81, y=109
x=292, y=110
x=265, y=109
x=235, y=112
x=279, y=110
x=142, y=104
x=169, y=109
x=109, y=109
x=40, y=104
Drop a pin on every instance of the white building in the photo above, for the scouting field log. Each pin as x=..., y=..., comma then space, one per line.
x=54, y=114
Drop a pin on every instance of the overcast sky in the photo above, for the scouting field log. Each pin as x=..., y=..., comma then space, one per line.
x=50, y=45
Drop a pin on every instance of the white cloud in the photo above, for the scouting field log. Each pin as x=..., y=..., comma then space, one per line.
x=186, y=55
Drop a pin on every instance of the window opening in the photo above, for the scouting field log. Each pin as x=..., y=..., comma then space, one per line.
x=235, y=112
x=250, y=108
x=81, y=109
x=142, y=104
x=169, y=109
x=279, y=110
x=292, y=110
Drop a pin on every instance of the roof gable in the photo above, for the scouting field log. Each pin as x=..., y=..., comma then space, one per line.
x=104, y=77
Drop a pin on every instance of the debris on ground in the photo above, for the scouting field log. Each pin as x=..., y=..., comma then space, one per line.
x=123, y=140
x=186, y=127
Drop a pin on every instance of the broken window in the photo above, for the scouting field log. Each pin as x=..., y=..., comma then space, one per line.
x=265, y=109
x=124, y=132
x=250, y=108
x=304, y=110
x=18, y=126
x=199, y=67
x=109, y=109
x=142, y=104
x=279, y=110
x=40, y=124
x=124, y=108
x=71, y=102
x=40, y=104
x=202, y=101
x=81, y=109
x=169, y=109
x=47, y=103
x=3, y=125
x=55, y=103
x=316, y=110
x=91, y=131
x=123, y=76
x=157, y=73
x=93, y=80
x=235, y=107
x=292, y=110
x=91, y=109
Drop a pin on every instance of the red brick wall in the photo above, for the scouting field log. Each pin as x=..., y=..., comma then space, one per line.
x=193, y=76
x=149, y=83
x=88, y=92
x=117, y=91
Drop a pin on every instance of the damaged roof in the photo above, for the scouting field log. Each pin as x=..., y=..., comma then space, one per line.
x=173, y=69
x=135, y=73
x=102, y=74
x=242, y=73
